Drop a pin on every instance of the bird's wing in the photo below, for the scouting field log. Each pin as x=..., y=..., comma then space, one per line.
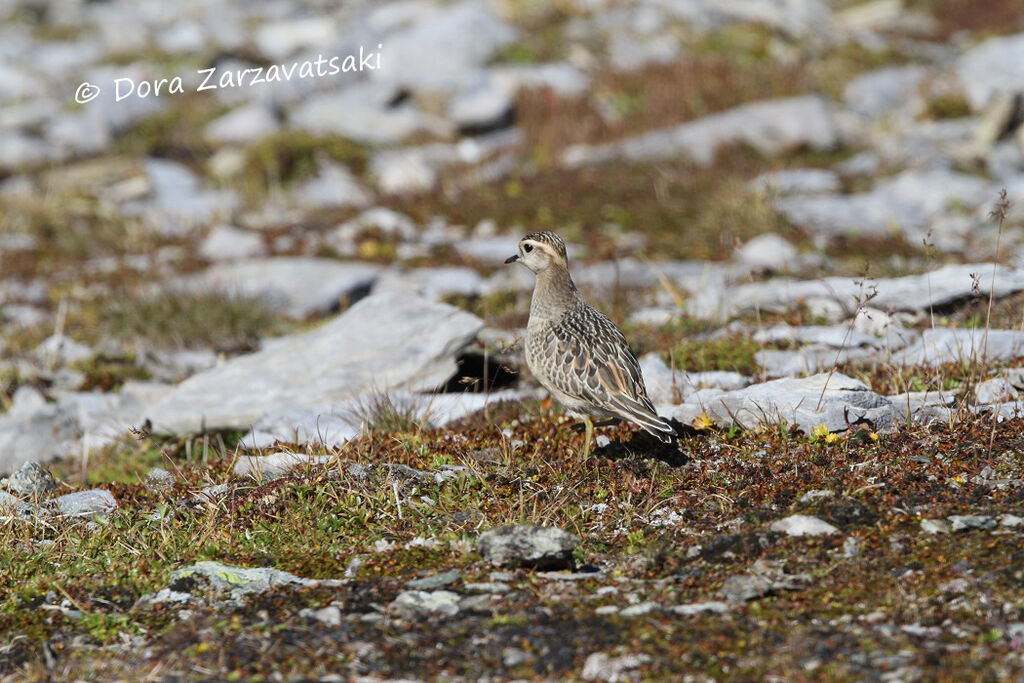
x=591, y=360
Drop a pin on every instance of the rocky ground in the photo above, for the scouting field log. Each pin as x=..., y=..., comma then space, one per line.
x=263, y=410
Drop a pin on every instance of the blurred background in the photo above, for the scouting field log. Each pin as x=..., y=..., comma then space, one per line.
x=142, y=237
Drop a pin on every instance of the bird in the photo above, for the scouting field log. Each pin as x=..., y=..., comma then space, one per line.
x=575, y=351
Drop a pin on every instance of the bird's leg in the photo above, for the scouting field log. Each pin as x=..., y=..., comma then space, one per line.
x=590, y=435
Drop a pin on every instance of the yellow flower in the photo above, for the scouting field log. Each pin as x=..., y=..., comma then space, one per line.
x=874, y=436
x=820, y=431
x=703, y=422
x=831, y=438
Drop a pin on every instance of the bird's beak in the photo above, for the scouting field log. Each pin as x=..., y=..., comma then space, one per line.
x=512, y=259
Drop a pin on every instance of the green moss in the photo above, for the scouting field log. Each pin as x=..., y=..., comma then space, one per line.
x=725, y=353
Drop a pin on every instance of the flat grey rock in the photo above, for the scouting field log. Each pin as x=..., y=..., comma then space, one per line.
x=481, y=103
x=384, y=342
x=84, y=503
x=996, y=390
x=176, y=201
x=432, y=283
x=796, y=181
x=744, y=587
x=994, y=67
x=334, y=187
x=415, y=603
x=333, y=424
x=711, y=607
x=945, y=345
x=667, y=386
x=770, y=126
x=226, y=243
x=528, y=545
x=275, y=465
x=31, y=480
x=940, y=287
x=835, y=401
x=247, y=123
x=768, y=252
x=240, y=581
x=438, y=52
x=935, y=526
x=434, y=581
x=970, y=522
x=810, y=359
x=803, y=525
x=882, y=91
x=368, y=118
x=600, y=666
x=836, y=336
x=297, y=286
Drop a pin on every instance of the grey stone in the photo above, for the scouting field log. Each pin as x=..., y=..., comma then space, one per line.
x=275, y=465
x=815, y=495
x=770, y=126
x=968, y=522
x=1011, y=521
x=488, y=587
x=995, y=66
x=401, y=172
x=416, y=603
x=836, y=336
x=796, y=181
x=481, y=103
x=279, y=39
x=808, y=359
x=11, y=506
x=383, y=342
x=159, y=479
x=245, y=124
x=334, y=423
x=699, y=608
x=227, y=243
x=940, y=287
x=438, y=53
x=640, y=609
x=803, y=525
x=909, y=202
x=561, y=78
x=297, y=286
x=333, y=187
x=743, y=587
x=434, y=581
x=768, y=252
x=330, y=615
x=432, y=283
x=666, y=386
x=240, y=581
x=176, y=201
x=833, y=400
x=944, y=345
x=883, y=91
x=600, y=666
x=935, y=526
x=851, y=547
x=528, y=545
x=60, y=350
x=368, y=117
x=31, y=480
x=84, y=503
x=996, y=390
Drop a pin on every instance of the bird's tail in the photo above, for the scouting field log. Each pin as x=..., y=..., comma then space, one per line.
x=651, y=422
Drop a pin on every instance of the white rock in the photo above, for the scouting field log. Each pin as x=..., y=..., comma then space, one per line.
x=437, y=53
x=227, y=243
x=943, y=345
x=796, y=181
x=280, y=39
x=418, y=603
x=602, y=667
x=996, y=66
x=996, y=390
x=481, y=103
x=82, y=503
x=275, y=465
x=883, y=91
x=833, y=400
x=245, y=124
x=384, y=342
x=297, y=286
x=333, y=187
x=770, y=126
x=803, y=525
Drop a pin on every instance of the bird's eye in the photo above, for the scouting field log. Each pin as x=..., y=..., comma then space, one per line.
x=527, y=248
